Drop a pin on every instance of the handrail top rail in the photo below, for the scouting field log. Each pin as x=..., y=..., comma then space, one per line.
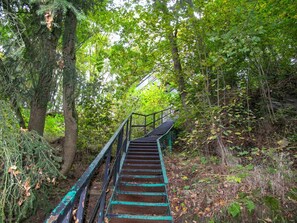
x=136, y=113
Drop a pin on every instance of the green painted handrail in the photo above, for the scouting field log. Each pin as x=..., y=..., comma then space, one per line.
x=161, y=155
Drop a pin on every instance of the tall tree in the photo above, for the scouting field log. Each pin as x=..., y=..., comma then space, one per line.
x=69, y=86
x=40, y=43
x=47, y=38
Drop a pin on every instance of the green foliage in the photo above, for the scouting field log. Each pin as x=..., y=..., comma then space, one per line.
x=28, y=164
x=250, y=205
x=54, y=126
x=151, y=99
x=234, y=209
x=272, y=203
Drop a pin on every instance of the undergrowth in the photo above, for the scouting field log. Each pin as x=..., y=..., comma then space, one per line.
x=28, y=166
x=201, y=189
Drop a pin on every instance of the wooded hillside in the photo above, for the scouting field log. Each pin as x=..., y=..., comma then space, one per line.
x=72, y=70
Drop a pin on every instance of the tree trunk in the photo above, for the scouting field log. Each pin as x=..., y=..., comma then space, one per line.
x=47, y=43
x=178, y=67
x=69, y=85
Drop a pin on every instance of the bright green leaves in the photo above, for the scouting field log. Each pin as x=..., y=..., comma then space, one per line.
x=234, y=209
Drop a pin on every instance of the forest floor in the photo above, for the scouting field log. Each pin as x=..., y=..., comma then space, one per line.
x=202, y=190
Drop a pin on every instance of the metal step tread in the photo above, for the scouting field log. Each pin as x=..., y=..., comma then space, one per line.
x=143, y=184
x=133, y=203
x=141, y=176
x=142, y=170
x=142, y=165
x=142, y=153
x=141, y=161
x=142, y=156
x=141, y=193
x=142, y=217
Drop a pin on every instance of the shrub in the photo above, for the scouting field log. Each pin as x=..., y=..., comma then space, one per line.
x=27, y=164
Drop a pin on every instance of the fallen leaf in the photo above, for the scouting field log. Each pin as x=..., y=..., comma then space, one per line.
x=37, y=186
x=20, y=202
x=12, y=168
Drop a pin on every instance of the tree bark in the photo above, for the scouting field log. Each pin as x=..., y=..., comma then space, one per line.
x=69, y=85
x=178, y=67
x=46, y=52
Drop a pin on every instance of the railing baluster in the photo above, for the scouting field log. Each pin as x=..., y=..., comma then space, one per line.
x=118, y=160
x=170, y=141
x=154, y=121
x=127, y=137
x=67, y=217
x=130, y=132
x=105, y=184
x=81, y=205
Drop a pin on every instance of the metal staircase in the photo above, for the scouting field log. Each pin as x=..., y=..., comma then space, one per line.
x=140, y=194
x=132, y=177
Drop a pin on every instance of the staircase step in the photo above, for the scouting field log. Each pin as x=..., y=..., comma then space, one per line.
x=141, y=187
x=141, y=171
x=141, y=178
x=126, y=218
x=142, y=153
x=141, y=166
x=141, y=196
x=146, y=204
x=142, y=161
x=145, y=208
x=142, y=147
x=144, y=143
x=141, y=193
x=142, y=157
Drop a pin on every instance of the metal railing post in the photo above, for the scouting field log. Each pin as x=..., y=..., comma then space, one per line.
x=126, y=136
x=154, y=121
x=104, y=187
x=118, y=160
x=170, y=141
x=130, y=129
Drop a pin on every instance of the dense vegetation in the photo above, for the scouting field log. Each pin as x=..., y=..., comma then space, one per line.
x=71, y=71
